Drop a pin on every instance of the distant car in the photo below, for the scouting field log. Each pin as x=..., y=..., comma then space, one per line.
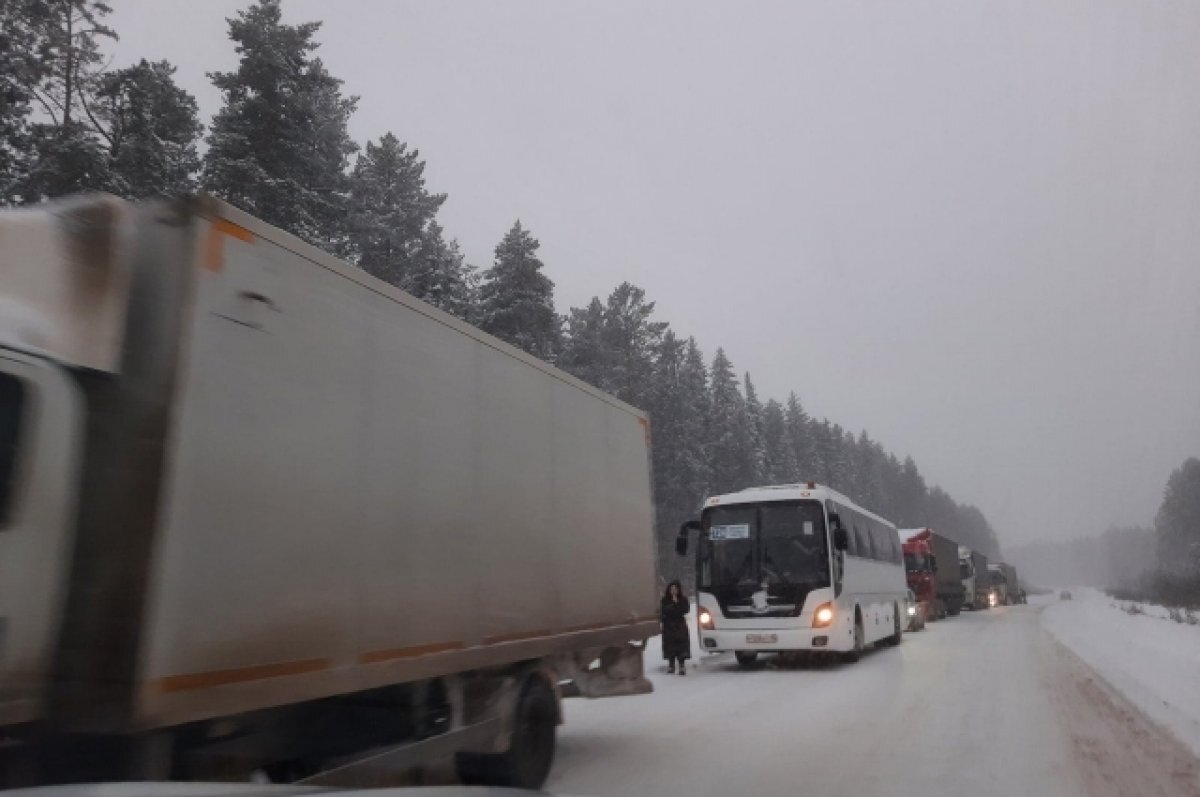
x=1064, y=595
x=915, y=617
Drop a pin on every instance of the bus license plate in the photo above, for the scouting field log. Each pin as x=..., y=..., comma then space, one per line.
x=762, y=638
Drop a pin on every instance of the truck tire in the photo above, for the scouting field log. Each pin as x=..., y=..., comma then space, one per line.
x=746, y=658
x=526, y=764
x=953, y=608
x=855, y=653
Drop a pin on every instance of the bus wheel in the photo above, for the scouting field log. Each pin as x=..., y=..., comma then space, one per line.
x=898, y=634
x=856, y=653
x=746, y=658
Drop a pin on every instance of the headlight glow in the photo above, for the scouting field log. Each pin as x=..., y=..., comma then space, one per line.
x=912, y=610
x=823, y=616
x=705, y=619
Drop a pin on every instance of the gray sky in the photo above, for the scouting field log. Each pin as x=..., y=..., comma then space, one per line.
x=972, y=228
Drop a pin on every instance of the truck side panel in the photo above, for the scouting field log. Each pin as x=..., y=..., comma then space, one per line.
x=363, y=491
x=949, y=585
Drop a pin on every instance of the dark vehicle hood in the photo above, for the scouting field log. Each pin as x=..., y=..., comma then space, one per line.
x=254, y=790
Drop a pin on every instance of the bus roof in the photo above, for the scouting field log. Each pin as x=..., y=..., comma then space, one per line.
x=789, y=492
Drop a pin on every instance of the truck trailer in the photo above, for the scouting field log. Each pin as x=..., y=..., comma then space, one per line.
x=933, y=571
x=973, y=569
x=264, y=514
x=1009, y=589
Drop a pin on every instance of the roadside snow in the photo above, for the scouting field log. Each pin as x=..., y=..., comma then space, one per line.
x=1149, y=658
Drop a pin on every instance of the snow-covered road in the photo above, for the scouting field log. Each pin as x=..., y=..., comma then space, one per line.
x=982, y=704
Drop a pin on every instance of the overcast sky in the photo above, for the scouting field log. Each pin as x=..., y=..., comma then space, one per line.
x=971, y=228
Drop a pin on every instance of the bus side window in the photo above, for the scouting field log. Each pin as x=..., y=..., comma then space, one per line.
x=848, y=524
x=877, y=542
x=864, y=539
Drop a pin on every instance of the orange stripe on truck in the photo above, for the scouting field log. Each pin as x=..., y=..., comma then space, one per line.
x=237, y=675
x=391, y=654
x=214, y=249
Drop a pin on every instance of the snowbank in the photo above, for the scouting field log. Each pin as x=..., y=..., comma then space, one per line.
x=1149, y=658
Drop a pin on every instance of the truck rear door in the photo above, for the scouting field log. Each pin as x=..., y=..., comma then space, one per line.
x=40, y=428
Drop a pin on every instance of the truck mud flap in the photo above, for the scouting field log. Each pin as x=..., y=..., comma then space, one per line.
x=615, y=672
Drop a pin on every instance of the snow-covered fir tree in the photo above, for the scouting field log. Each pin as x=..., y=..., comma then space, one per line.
x=516, y=299
x=151, y=127
x=279, y=146
x=390, y=210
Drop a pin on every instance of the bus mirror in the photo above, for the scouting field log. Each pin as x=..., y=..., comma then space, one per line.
x=841, y=540
x=681, y=542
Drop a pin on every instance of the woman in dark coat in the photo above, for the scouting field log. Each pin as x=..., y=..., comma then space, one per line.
x=676, y=642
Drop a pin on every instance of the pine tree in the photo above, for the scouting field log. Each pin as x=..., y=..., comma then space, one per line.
x=517, y=299
x=151, y=128
x=912, y=495
x=838, y=465
x=613, y=345
x=731, y=456
x=754, y=421
x=439, y=274
x=696, y=469
x=868, y=476
x=892, y=472
x=631, y=338
x=279, y=147
x=676, y=405
x=1177, y=525
x=800, y=438
x=19, y=71
x=62, y=151
x=584, y=352
x=390, y=211
x=779, y=459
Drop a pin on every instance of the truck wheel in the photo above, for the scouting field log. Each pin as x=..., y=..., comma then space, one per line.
x=856, y=653
x=530, y=755
x=746, y=658
x=953, y=608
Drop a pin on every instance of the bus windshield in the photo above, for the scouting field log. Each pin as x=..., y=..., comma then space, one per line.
x=767, y=544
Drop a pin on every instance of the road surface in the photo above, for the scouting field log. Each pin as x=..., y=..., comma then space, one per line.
x=982, y=704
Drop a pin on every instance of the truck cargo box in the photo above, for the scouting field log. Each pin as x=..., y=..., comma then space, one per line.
x=294, y=480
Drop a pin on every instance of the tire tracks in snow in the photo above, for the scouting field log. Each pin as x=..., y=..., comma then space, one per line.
x=1119, y=751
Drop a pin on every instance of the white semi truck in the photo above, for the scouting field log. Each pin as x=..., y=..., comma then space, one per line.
x=261, y=512
x=973, y=568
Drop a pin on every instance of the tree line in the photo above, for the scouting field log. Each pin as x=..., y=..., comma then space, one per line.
x=279, y=147
x=1158, y=562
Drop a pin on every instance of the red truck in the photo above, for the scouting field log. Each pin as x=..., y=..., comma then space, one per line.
x=918, y=556
x=931, y=567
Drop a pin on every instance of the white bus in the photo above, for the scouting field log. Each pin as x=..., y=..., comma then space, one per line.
x=795, y=567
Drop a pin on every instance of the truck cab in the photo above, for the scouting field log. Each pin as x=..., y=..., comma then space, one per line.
x=999, y=584
x=921, y=572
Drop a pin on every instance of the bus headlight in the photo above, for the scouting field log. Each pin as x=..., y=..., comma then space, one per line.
x=823, y=616
x=705, y=619
x=912, y=611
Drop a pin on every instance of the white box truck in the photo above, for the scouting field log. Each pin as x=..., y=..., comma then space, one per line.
x=260, y=512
